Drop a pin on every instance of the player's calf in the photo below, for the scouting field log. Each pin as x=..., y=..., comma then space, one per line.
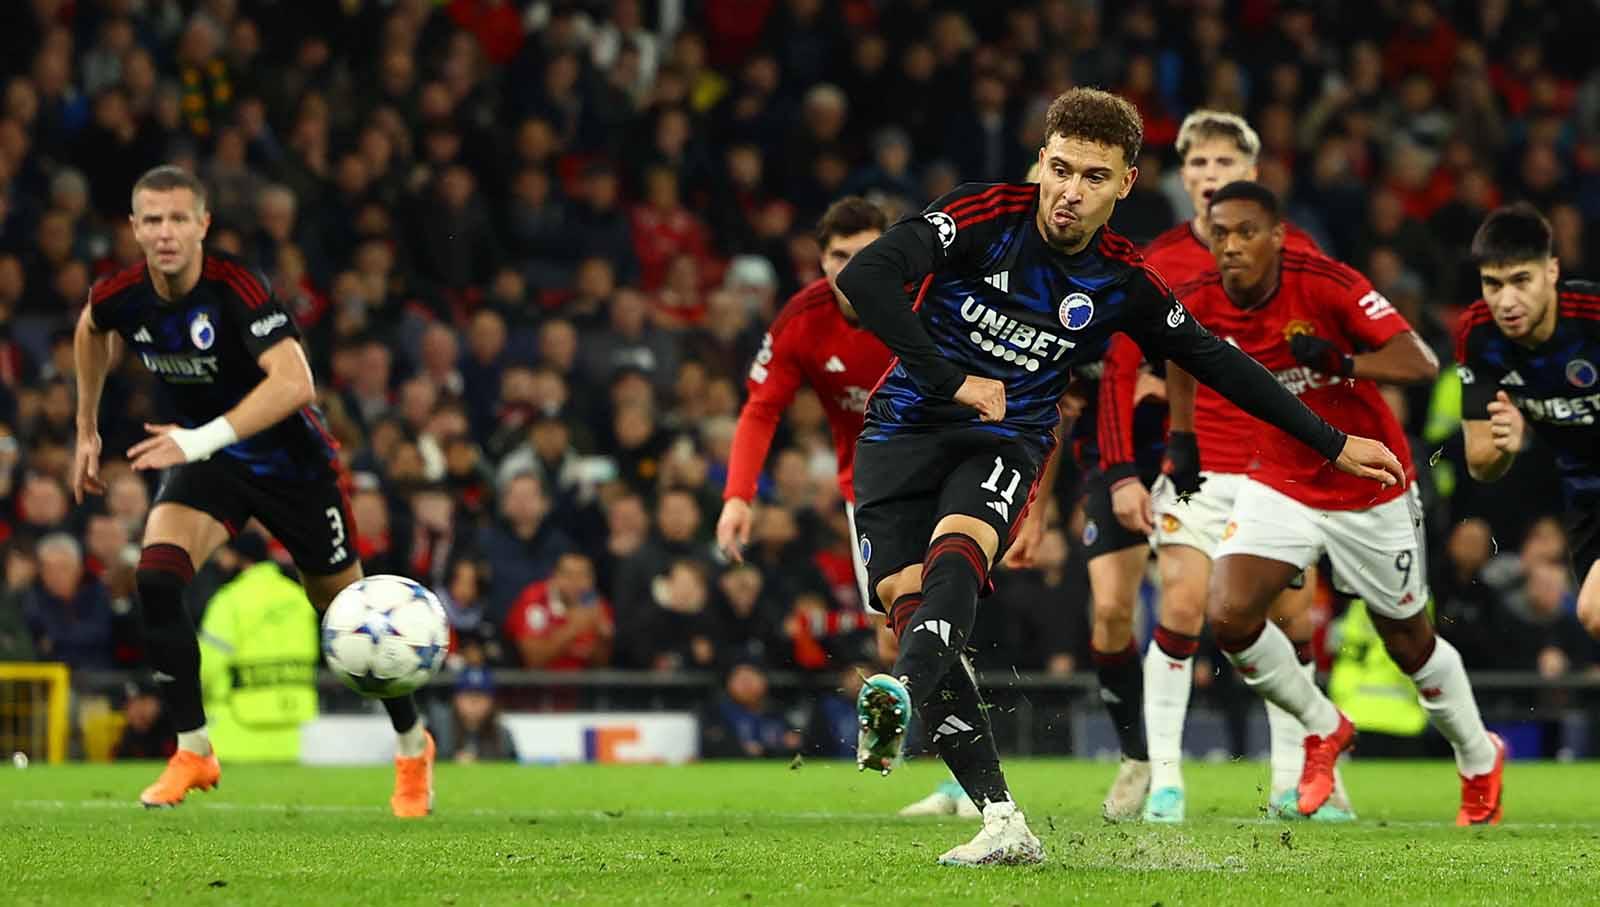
x=171, y=646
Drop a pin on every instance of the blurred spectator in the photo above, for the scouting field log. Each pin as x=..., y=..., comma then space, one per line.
x=474, y=637
x=834, y=722
x=743, y=723
x=16, y=638
x=474, y=730
x=68, y=611
x=522, y=547
x=562, y=624
x=147, y=732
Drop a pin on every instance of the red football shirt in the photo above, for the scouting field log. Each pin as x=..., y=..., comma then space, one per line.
x=1316, y=295
x=1179, y=256
x=810, y=342
x=537, y=612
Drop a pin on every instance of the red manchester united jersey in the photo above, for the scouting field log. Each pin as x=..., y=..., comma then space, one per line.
x=1179, y=256
x=1319, y=296
x=810, y=342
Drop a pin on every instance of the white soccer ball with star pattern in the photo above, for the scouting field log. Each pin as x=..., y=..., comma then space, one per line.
x=385, y=636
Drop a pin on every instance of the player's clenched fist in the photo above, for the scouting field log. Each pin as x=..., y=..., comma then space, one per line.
x=1505, y=423
x=1370, y=459
x=985, y=395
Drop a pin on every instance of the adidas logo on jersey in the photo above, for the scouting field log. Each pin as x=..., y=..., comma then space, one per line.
x=833, y=365
x=939, y=628
x=1001, y=281
x=143, y=336
x=950, y=725
x=1512, y=379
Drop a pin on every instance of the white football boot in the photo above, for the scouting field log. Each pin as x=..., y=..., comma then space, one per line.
x=947, y=800
x=1126, y=799
x=1004, y=841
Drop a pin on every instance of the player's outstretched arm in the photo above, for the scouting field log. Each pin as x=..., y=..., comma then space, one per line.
x=92, y=355
x=285, y=390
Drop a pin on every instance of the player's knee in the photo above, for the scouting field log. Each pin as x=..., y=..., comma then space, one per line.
x=1183, y=608
x=892, y=588
x=1408, y=641
x=163, y=572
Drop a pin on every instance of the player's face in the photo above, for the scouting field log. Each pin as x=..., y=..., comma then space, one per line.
x=836, y=254
x=1212, y=163
x=1521, y=296
x=1245, y=242
x=1080, y=183
x=169, y=225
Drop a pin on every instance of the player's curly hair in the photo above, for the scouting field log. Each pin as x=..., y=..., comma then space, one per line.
x=847, y=217
x=1096, y=116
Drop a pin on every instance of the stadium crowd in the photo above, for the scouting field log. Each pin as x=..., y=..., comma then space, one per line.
x=533, y=247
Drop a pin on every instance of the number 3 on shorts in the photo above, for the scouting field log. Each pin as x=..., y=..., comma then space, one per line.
x=336, y=522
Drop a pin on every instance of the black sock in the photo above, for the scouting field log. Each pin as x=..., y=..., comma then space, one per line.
x=402, y=712
x=1122, y=690
x=951, y=577
x=170, y=645
x=956, y=721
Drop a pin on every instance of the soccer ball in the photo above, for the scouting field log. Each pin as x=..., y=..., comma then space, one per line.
x=385, y=635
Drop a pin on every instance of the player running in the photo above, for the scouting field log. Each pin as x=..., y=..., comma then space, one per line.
x=1216, y=148
x=1328, y=337
x=1530, y=349
x=960, y=425
x=251, y=444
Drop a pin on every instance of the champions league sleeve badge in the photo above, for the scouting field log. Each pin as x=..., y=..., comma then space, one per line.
x=202, y=332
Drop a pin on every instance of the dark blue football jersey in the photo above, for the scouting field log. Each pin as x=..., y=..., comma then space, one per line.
x=204, y=350
x=1002, y=304
x=1556, y=384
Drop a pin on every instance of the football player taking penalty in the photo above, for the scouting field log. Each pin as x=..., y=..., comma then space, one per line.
x=959, y=427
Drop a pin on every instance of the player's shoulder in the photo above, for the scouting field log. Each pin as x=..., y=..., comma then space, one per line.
x=811, y=301
x=117, y=285
x=1120, y=252
x=1298, y=240
x=1474, y=329
x=1174, y=239
x=1580, y=300
x=973, y=203
x=1319, y=270
x=1199, y=286
x=234, y=276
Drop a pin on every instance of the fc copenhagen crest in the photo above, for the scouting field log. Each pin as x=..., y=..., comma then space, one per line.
x=1582, y=373
x=202, y=332
x=1075, y=311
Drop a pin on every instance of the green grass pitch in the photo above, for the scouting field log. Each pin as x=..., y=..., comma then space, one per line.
x=719, y=833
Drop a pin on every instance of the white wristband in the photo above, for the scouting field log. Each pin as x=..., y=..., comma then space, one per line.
x=200, y=443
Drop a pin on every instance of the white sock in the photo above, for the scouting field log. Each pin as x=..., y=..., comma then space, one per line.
x=1446, y=695
x=1167, y=682
x=195, y=741
x=1287, y=736
x=1269, y=667
x=412, y=743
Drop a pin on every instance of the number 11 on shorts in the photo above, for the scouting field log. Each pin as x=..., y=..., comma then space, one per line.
x=1003, y=506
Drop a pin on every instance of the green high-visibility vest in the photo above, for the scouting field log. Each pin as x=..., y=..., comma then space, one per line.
x=1367, y=685
x=259, y=651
